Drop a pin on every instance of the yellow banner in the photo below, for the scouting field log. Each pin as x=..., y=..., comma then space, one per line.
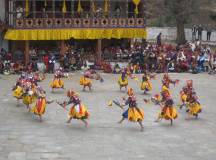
x=93, y=6
x=65, y=34
x=64, y=7
x=79, y=9
x=106, y=7
x=136, y=2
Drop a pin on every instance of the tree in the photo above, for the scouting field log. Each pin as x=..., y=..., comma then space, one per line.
x=178, y=12
x=181, y=10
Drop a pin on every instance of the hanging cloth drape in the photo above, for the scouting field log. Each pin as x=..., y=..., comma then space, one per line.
x=64, y=7
x=136, y=10
x=79, y=9
x=106, y=7
x=83, y=33
x=27, y=8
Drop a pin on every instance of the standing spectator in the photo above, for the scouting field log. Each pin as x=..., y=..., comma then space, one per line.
x=46, y=61
x=52, y=62
x=209, y=32
x=159, y=39
x=194, y=31
x=200, y=29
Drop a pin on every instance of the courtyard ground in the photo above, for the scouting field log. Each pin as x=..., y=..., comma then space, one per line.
x=23, y=137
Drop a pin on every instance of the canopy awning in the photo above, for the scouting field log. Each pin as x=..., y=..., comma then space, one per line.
x=77, y=33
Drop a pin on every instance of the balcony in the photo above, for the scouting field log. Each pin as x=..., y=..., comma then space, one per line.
x=57, y=23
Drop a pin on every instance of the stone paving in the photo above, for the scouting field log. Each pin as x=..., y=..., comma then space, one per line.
x=23, y=137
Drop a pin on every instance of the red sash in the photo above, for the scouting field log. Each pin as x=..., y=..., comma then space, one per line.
x=39, y=105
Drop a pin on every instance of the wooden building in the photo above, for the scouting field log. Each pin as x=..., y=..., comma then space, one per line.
x=62, y=20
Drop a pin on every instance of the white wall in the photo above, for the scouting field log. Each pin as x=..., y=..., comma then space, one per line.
x=169, y=33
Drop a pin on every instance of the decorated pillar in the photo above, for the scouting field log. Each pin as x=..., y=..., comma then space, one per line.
x=136, y=10
x=34, y=9
x=26, y=8
x=99, y=49
x=72, y=8
x=53, y=8
x=26, y=52
x=64, y=8
x=126, y=9
x=62, y=47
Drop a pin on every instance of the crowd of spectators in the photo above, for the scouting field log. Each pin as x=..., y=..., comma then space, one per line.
x=154, y=57
x=191, y=57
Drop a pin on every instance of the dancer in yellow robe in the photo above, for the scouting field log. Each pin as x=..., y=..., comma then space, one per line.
x=40, y=106
x=133, y=113
x=29, y=95
x=78, y=110
x=18, y=92
x=123, y=79
x=186, y=90
x=85, y=82
x=57, y=82
x=194, y=107
x=146, y=84
x=85, y=79
x=168, y=111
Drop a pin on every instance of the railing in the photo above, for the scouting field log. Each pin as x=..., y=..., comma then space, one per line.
x=30, y=23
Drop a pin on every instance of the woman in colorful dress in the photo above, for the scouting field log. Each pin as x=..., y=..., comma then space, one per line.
x=168, y=111
x=78, y=110
x=133, y=113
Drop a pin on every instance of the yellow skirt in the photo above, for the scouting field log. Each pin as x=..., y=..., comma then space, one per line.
x=164, y=88
x=78, y=112
x=168, y=113
x=57, y=83
x=39, y=108
x=134, y=114
x=85, y=81
x=18, y=92
x=194, y=108
x=122, y=82
x=27, y=99
x=146, y=85
x=183, y=98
